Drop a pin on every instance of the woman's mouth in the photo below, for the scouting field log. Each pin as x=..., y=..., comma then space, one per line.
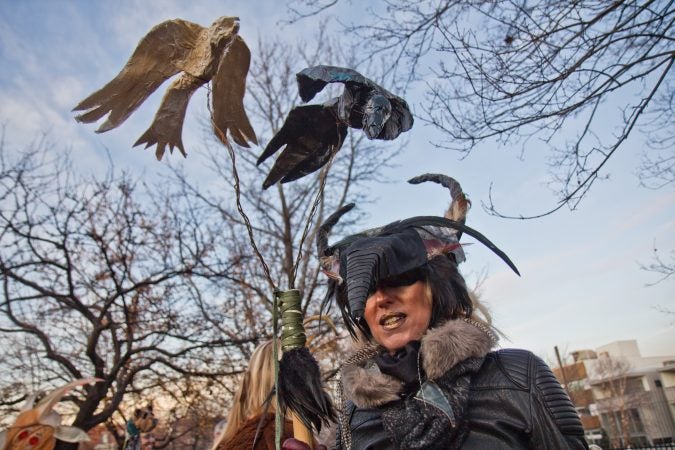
x=391, y=321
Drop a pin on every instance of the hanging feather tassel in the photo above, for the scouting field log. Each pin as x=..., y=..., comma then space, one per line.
x=300, y=387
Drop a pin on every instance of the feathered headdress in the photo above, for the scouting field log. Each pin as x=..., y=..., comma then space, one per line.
x=38, y=426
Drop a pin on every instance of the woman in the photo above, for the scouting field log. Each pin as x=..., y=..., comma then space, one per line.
x=426, y=376
x=251, y=418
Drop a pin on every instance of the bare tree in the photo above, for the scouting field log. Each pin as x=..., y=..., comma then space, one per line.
x=513, y=70
x=103, y=278
x=284, y=217
x=156, y=289
x=615, y=395
x=658, y=265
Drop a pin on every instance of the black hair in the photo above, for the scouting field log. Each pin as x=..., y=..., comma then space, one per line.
x=449, y=295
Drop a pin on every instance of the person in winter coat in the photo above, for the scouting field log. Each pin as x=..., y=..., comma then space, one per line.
x=251, y=419
x=427, y=375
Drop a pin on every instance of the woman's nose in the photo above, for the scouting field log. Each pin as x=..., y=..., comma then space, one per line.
x=381, y=297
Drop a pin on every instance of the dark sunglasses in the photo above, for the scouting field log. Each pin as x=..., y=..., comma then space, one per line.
x=405, y=279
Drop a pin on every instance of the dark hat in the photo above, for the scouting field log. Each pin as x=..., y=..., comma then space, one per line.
x=365, y=259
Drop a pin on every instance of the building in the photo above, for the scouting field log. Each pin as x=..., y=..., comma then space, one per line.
x=622, y=397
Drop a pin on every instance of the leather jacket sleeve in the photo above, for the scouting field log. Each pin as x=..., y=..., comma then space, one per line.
x=518, y=403
x=556, y=424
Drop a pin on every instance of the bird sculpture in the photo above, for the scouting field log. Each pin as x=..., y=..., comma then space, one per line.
x=312, y=133
x=217, y=54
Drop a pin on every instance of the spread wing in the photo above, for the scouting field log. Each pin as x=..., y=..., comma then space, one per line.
x=313, y=79
x=310, y=135
x=229, y=87
x=157, y=57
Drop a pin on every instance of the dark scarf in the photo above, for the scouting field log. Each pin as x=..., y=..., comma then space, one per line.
x=450, y=355
x=455, y=386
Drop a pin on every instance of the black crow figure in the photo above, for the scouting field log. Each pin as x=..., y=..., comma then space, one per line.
x=363, y=103
x=312, y=133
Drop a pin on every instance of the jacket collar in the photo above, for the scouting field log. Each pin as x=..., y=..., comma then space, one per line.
x=442, y=348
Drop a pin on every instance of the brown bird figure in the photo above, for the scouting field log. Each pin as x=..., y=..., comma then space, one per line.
x=217, y=54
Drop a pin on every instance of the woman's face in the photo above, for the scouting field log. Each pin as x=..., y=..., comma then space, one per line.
x=398, y=315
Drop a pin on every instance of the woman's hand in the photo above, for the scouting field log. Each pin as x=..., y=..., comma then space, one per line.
x=294, y=444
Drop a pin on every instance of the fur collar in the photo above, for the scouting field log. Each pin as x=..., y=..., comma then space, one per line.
x=442, y=348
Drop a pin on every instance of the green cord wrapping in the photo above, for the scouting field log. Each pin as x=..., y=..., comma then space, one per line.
x=287, y=305
x=292, y=329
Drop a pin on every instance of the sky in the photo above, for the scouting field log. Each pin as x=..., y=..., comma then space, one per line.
x=581, y=285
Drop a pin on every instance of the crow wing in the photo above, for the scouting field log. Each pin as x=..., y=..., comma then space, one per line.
x=313, y=79
x=310, y=135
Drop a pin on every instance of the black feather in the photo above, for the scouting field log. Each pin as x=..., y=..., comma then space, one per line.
x=301, y=389
x=309, y=136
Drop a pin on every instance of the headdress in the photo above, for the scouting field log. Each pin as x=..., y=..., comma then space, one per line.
x=398, y=250
x=38, y=426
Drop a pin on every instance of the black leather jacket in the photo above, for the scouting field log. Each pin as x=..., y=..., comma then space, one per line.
x=514, y=402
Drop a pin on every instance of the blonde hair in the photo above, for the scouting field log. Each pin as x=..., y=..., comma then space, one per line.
x=255, y=388
x=480, y=312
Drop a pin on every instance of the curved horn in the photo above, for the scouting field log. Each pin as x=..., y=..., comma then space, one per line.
x=327, y=226
x=459, y=205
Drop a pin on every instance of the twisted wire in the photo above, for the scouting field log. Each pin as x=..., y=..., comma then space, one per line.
x=319, y=195
x=237, y=192
x=287, y=303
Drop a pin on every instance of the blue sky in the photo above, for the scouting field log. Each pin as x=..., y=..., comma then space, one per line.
x=581, y=284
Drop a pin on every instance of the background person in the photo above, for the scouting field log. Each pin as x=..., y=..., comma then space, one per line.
x=254, y=406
